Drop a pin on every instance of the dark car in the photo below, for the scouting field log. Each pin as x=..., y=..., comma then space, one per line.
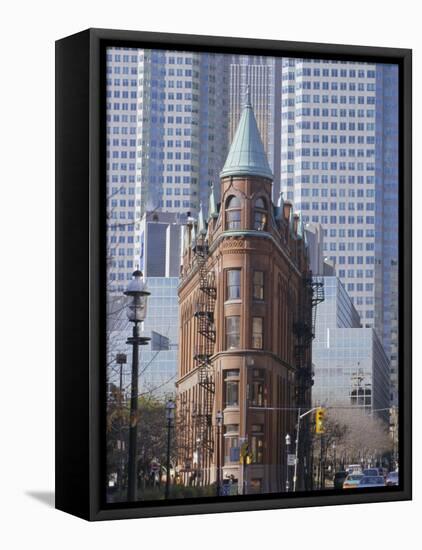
x=372, y=481
x=339, y=478
x=392, y=478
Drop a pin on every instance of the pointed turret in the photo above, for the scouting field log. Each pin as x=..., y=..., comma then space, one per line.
x=300, y=227
x=201, y=223
x=193, y=237
x=247, y=155
x=212, y=207
x=292, y=223
x=280, y=207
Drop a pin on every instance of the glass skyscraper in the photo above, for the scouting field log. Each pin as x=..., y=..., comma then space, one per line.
x=157, y=359
x=350, y=364
x=329, y=128
x=167, y=116
x=339, y=166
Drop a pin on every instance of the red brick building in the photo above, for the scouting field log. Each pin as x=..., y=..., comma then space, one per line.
x=245, y=334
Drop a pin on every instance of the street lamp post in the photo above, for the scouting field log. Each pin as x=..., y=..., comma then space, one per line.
x=136, y=311
x=170, y=406
x=219, y=421
x=288, y=441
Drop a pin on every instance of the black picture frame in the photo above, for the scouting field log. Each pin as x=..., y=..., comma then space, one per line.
x=80, y=279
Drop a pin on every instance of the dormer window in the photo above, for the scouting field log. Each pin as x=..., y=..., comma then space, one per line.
x=233, y=208
x=260, y=215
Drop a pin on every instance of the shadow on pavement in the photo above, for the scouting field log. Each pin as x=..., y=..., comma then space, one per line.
x=45, y=497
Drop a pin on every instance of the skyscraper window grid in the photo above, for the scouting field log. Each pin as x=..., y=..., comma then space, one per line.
x=166, y=141
x=169, y=115
x=339, y=166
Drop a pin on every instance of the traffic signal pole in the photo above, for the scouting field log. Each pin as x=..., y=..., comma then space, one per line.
x=299, y=418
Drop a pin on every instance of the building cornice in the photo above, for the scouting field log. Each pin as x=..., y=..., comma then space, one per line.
x=255, y=352
x=251, y=233
x=239, y=353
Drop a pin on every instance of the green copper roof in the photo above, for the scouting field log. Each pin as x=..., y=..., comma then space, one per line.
x=247, y=155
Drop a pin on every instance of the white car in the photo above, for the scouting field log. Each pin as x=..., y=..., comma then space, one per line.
x=354, y=469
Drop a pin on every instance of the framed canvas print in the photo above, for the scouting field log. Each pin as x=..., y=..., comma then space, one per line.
x=233, y=274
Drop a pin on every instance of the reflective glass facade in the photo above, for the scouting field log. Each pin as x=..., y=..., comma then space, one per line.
x=340, y=167
x=157, y=359
x=350, y=365
x=167, y=131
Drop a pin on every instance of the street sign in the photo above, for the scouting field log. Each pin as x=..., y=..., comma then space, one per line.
x=155, y=467
x=291, y=459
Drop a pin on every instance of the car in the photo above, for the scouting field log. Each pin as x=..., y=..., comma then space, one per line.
x=371, y=481
x=352, y=481
x=339, y=478
x=392, y=478
x=372, y=472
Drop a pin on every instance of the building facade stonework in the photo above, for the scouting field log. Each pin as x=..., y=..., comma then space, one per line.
x=245, y=329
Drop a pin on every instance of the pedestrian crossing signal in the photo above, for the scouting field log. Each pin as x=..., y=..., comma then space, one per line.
x=319, y=420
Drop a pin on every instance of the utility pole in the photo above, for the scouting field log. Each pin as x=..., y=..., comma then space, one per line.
x=321, y=463
x=170, y=406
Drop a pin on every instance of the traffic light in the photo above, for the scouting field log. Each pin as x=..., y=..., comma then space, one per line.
x=245, y=455
x=319, y=420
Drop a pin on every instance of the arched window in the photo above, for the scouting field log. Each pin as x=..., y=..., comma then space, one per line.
x=260, y=215
x=233, y=213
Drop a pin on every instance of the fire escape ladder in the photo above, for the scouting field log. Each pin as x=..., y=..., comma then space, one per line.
x=204, y=349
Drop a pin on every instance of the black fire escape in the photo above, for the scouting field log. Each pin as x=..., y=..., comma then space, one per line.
x=204, y=350
x=304, y=330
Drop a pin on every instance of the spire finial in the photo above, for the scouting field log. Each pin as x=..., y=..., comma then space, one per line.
x=248, y=96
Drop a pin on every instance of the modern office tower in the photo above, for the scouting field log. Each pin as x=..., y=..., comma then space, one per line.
x=394, y=334
x=339, y=167
x=245, y=329
x=350, y=364
x=157, y=359
x=262, y=76
x=387, y=227
x=160, y=241
x=167, y=118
